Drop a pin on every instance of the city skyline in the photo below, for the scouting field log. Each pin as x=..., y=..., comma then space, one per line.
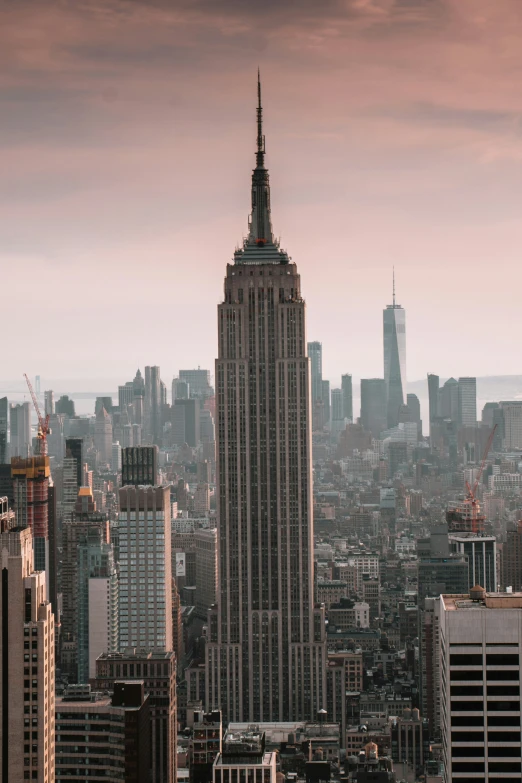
x=115, y=119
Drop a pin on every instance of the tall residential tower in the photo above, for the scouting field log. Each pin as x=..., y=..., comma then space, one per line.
x=266, y=651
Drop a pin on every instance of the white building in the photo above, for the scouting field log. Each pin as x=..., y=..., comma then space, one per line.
x=480, y=645
x=145, y=601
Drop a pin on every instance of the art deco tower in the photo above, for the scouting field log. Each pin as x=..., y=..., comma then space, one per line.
x=266, y=651
x=394, y=338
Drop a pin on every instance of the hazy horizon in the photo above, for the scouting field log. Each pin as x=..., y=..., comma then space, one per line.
x=127, y=143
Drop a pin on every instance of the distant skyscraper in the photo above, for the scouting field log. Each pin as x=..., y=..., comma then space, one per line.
x=315, y=354
x=394, y=333
x=116, y=457
x=103, y=436
x=65, y=406
x=27, y=662
x=4, y=424
x=198, y=382
x=153, y=405
x=373, y=405
x=337, y=405
x=449, y=400
x=467, y=402
x=510, y=420
x=415, y=412
x=180, y=390
x=49, y=402
x=433, y=395
x=186, y=422
x=144, y=529
x=139, y=466
x=266, y=654
x=74, y=450
x=326, y=401
x=346, y=386
x=20, y=427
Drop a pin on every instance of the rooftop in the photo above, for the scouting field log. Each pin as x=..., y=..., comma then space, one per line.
x=488, y=601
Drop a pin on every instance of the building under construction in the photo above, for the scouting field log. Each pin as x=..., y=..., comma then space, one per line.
x=30, y=477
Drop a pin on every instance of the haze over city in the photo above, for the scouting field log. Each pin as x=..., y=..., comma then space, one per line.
x=392, y=137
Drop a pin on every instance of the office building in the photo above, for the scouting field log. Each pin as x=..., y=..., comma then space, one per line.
x=116, y=457
x=433, y=397
x=20, y=430
x=56, y=438
x=410, y=740
x=512, y=559
x=244, y=755
x=266, y=654
x=30, y=478
x=205, y=540
x=114, y=732
x=397, y=457
x=66, y=406
x=206, y=427
x=346, y=386
x=480, y=645
x=315, y=354
x=125, y=396
x=467, y=402
x=103, y=436
x=373, y=405
x=49, y=406
x=198, y=382
x=326, y=401
x=337, y=405
x=414, y=408
x=449, y=400
x=74, y=450
x=394, y=345
x=27, y=738
x=511, y=424
x=202, y=499
x=481, y=552
x=180, y=390
x=144, y=530
x=97, y=607
x=157, y=670
x=153, y=404
x=139, y=466
x=186, y=422
x=4, y=426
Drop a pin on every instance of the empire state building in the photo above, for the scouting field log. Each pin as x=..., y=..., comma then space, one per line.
x=266, y=649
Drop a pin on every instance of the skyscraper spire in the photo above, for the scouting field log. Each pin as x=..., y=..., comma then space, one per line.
x=394, y=286
x=260, y=154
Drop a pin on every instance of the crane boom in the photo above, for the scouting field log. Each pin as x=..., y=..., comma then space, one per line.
x=43, y=424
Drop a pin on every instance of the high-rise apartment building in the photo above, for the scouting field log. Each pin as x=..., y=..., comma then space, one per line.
x=394, y=343
x=480, y=647
x=4, y=425
x=346, y=386
x=337, y=405
x=373, y=405
x=144, y=529
x=139, y=466
x=27, y=736
x=158, y=672
x=30, y=478
x=266, y=655
x=20, y=430
x=467, y=402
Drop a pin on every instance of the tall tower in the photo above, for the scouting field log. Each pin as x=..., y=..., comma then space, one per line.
x=266, y=652
x=394, y=339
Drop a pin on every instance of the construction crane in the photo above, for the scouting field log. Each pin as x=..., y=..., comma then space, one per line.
x=471, y=498
x=43, y=424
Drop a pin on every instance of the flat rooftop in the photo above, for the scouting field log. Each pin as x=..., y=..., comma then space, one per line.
x=453, y=603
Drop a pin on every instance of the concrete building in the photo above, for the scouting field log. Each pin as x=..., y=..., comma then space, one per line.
x=139, y=466
x=346, y=387
x=114, y=732
x=20, y=444
x=27, y=736
x=394, y=347
x=373, y=405
x=266, y=651
x=157, y=670
x=144, y=528
x=481, y=641
x=103, y=436
x=467, y=402
x=206, y=569
x=244, y=758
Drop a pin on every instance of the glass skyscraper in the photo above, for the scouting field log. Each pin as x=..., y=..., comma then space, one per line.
x=394, y=340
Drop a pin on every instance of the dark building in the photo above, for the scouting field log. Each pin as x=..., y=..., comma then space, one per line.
x=30, y=478
x=6, y=483
x=52, y=522
x=131, y=696
x=186, y=422
x=207, y=738
x=397, y=456
x=158, y=672
x=139, y=466
x=433, y=396
x=65, y=406
x=373, y=405
x=410, y=738
x=346, y=387
x=74, y=448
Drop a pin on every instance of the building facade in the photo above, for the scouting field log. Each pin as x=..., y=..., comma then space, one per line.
x=394, y=345
x=139, y=466
x=266, y=655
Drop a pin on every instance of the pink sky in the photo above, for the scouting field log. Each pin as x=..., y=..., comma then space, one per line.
x=393, y=135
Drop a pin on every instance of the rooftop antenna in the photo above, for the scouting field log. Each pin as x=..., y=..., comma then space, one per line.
x=260, y=155
x=394, y=286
